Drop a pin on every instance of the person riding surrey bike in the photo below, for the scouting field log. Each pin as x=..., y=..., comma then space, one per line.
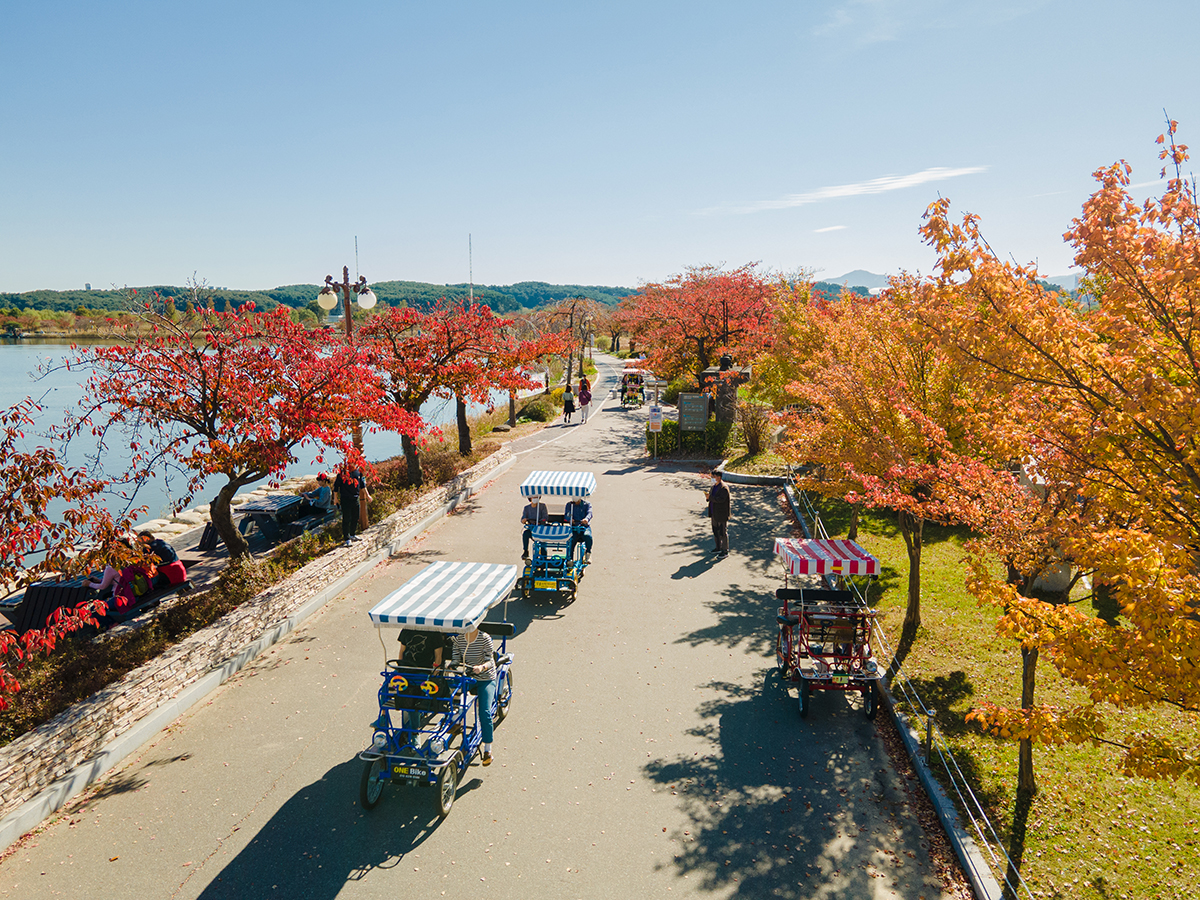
x=579, y=513
x=534, y=513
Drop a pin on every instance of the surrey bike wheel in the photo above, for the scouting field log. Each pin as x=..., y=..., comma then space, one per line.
x=447, y=785
x=370, y=788
x=503, y=697
x=871, y=700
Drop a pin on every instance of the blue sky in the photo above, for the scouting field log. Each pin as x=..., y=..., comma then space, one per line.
x=611, y=143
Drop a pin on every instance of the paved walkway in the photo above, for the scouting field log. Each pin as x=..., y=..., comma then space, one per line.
x=650, y=752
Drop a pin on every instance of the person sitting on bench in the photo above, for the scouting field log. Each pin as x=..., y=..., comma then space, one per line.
x=134, y=583
x=318, y=501
x=170, y=571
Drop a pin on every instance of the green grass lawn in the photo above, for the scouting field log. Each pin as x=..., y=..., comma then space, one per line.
x=1090, y=832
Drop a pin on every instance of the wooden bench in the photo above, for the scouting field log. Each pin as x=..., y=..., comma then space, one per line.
x=312, y=522
x=40, y=601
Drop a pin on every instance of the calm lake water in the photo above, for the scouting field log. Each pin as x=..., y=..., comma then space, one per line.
x=21, y=363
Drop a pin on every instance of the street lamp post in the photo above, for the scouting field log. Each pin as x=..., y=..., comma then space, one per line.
x=328, y=299
x=332, y=292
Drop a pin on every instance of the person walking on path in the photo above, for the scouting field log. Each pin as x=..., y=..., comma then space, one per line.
x=345, y=491
x=568, y=405
x=585, y=399
x=718, y=512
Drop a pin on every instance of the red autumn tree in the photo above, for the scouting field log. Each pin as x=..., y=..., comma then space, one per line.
x=70, y=539
x=231, y=394
x=689, y=320
x=444, y=351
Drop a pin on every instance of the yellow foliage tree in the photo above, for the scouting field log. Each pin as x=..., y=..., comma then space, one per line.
x=1106, y=387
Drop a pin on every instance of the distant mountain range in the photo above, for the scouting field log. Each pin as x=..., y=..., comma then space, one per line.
x=863, y=278
x=859, y=278
x=501, y=298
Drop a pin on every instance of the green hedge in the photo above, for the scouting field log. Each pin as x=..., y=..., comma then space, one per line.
x=712, y=443
x=540, y=409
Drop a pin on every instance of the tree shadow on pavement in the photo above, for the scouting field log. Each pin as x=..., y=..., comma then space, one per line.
x=792, y=808
x=321, y=838
x=745, y=612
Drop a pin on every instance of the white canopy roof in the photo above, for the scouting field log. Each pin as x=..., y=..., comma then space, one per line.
x=558, y=484
x=827, y=557
x=446, y=596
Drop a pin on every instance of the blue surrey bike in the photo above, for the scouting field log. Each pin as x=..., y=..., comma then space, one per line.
x=427, y=731
x=551, y=569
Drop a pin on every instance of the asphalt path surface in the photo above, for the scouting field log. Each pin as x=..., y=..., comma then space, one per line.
x=650, y=750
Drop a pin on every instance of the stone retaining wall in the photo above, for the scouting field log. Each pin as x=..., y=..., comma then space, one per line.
x=37, y=759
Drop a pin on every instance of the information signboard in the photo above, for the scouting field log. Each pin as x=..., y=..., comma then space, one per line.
x=693, y=412
x=656, y=418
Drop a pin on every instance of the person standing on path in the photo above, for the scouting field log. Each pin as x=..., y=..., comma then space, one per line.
x=585, y=399
x=718, y=512
x=568, y=404
x=345, y=491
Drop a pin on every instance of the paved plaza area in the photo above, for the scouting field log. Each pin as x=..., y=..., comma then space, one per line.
x=650, y=750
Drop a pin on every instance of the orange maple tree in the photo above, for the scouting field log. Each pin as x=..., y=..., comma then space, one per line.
x=1116, y=373
x=881, y=414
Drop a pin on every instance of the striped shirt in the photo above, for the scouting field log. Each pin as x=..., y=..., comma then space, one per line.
x=480, y=652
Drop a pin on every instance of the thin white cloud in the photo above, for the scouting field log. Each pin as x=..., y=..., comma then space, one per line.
x=858, y=189
x=866, y=22
x=830, y=228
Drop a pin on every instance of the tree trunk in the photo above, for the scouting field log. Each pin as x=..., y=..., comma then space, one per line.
x=512, y=409
x=464, y=430
x=570, y=360
x=547, y=390
x=852, y=534
x=1026, y=783
x=912, y=527
x=616, y=345
x=222, y=519
x=412, y=457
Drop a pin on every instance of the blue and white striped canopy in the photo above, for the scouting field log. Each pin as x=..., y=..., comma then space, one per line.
x=551, y=533
x=446, y=596
x=558, y=484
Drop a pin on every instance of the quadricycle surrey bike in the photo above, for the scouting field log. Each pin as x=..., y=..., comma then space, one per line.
x=558, y=559
x=427, y=731
x=825, y=634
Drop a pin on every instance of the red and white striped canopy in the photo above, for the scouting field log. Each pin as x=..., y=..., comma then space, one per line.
x=828, y=557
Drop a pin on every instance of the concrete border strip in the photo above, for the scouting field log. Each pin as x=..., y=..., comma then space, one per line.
x=49, y=801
